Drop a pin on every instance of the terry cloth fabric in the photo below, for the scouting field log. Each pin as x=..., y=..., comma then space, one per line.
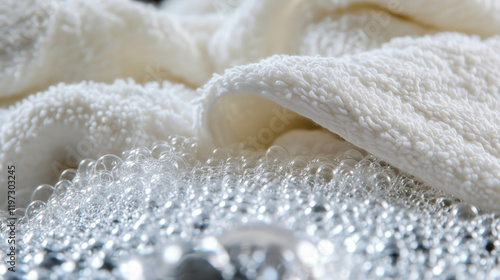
x=416, y=83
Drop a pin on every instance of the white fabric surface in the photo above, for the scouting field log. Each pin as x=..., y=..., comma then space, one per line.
x=416, y=83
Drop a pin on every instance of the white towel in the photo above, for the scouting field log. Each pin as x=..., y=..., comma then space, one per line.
x=416, y=83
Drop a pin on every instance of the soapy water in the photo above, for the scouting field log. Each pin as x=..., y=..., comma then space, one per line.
x=162, y=213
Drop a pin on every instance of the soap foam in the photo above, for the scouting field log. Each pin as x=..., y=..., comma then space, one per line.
x=163, y=212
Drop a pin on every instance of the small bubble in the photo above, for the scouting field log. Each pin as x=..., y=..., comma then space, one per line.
x=382, y=182
x=62, y=187
x=42, y=193
x=353, y=154
x=299, y=162
x=86, y=168
x=464, y=211
x=159, y=149
x=324, y=174
x=277, y=154
x=345, y=167
x=34, y=208
x=109, y=163
x=68, y=174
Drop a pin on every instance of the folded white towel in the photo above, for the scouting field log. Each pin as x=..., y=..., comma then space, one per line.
x=416, y=83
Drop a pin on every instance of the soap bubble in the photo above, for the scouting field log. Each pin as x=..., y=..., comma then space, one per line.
x=62, y=187
x=353, y=154
x=110, y=163
x=324, y=174
x=86, y=168
x=68, y=174
x=42, y=193
x=382, y=182
x=34, y=208
x=464, y=211
x=159, y=149
x=277, y=154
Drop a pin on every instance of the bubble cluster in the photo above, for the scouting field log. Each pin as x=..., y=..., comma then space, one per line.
x=169, y=212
